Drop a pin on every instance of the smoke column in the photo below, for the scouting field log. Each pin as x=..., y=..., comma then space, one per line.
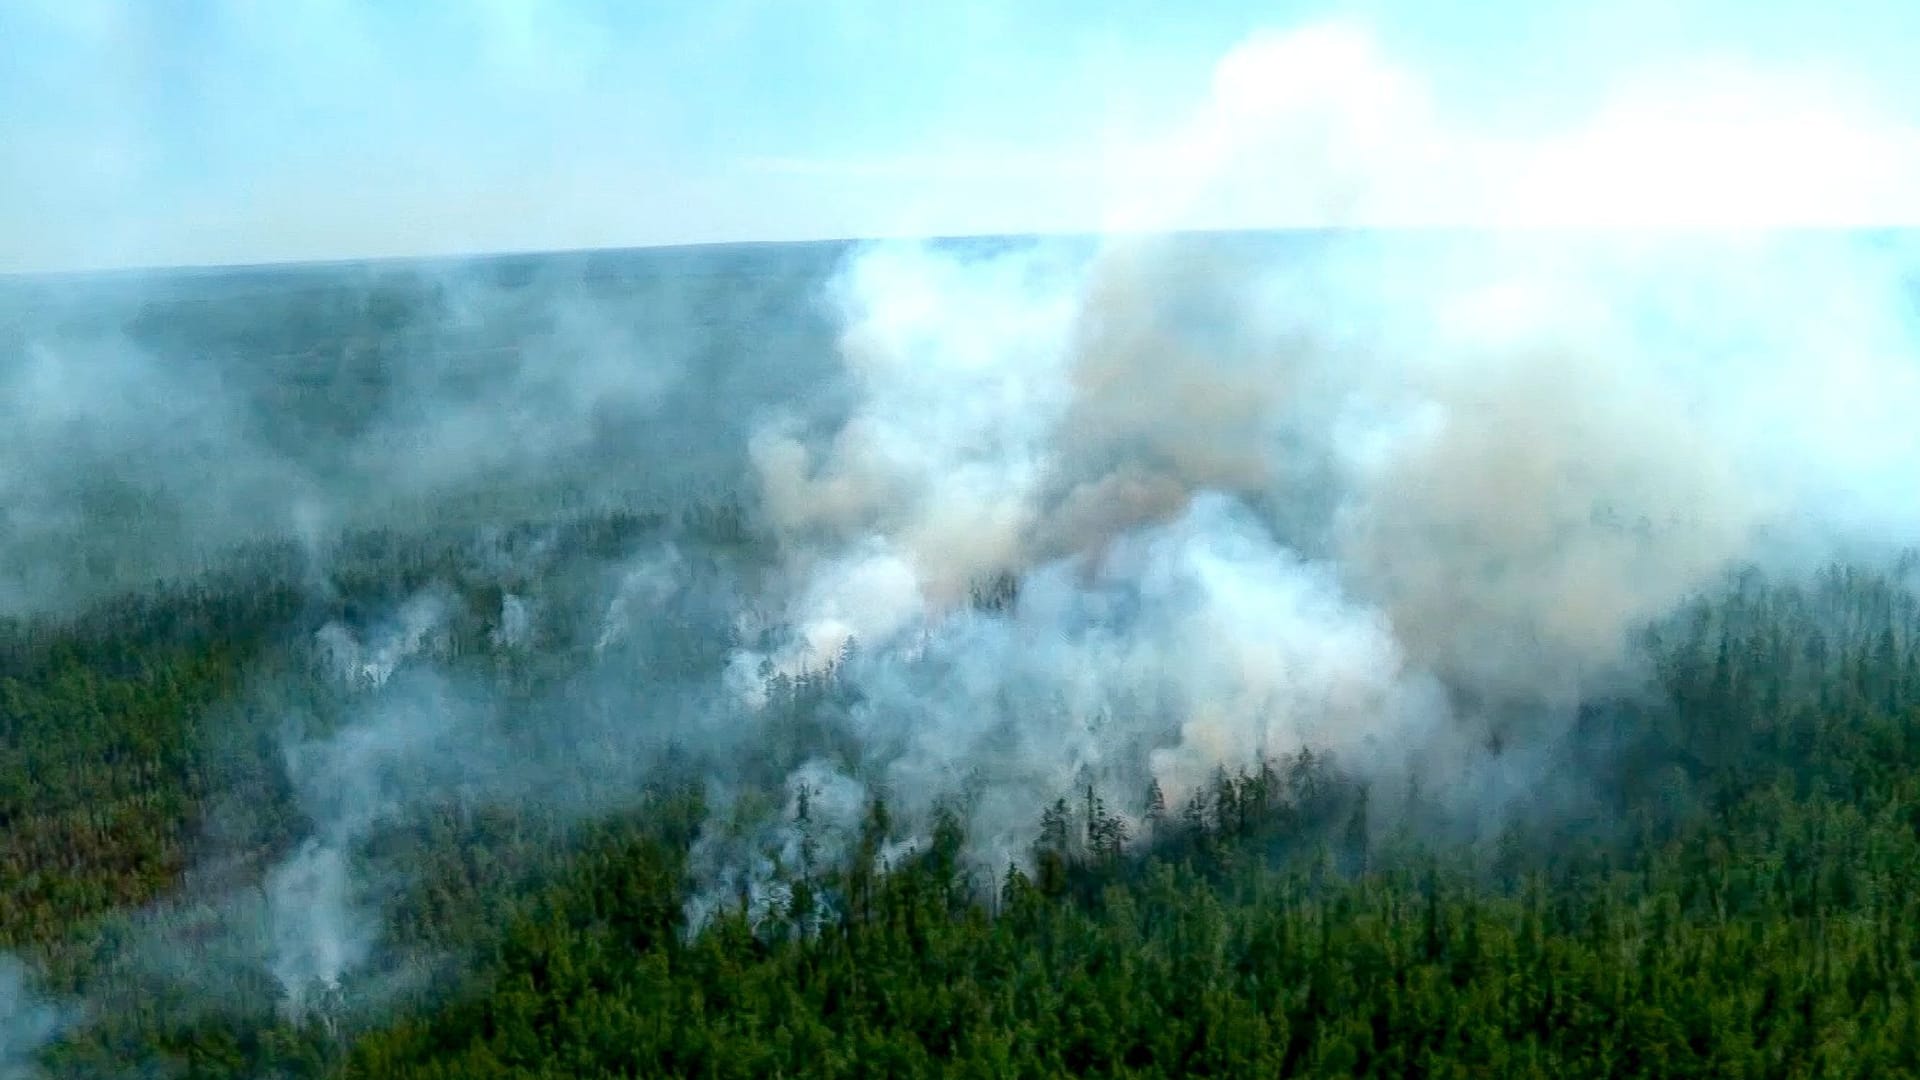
x=1395, y=496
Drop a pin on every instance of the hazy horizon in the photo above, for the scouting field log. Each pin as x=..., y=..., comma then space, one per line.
x=460, y=259
x=333, y=130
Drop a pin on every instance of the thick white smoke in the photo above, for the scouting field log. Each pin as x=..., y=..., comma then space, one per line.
x=1468, y=464
x=1340, y=492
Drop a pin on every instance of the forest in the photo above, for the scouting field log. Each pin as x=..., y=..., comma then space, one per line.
x=1735, y=893
x=750, y=540
x=1240, y=655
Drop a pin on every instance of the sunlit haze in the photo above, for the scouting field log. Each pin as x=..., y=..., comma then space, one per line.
x=140, y=134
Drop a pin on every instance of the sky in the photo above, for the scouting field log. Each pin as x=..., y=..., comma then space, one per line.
x=225, y=131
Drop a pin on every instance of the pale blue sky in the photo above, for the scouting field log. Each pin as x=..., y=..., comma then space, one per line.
x=146, y=132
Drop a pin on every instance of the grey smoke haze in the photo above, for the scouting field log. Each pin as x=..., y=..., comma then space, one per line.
x=155, y=423
x=415, y=732
x=27, y=1021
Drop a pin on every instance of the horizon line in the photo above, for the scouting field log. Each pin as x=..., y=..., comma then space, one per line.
x=394, y=260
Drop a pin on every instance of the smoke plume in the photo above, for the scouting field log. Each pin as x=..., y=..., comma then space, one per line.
x=1386, y=495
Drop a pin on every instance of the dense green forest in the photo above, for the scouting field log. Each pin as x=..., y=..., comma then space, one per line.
x=1720, y=876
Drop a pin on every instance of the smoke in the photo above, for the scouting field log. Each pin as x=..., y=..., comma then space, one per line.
x=27, y=1021
x=414, y=730
x=101, y=431
x=399, y=752
x=749, y=855
x=1343, y=495
x=420, y=620
x=155, y=422
x=644, y=586
x=1390, y=496
x=1119, y=514
x=319, y=933
x=516, y=625
x=1040, y=517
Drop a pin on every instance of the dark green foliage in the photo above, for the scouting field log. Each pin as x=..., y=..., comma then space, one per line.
x=1726, y=884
